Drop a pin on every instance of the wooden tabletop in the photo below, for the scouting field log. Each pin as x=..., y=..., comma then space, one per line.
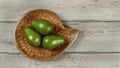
x=98, y=42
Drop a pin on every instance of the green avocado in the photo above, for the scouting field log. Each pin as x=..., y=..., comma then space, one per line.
x=52, y=41
x=33, y=38
x=42, y=26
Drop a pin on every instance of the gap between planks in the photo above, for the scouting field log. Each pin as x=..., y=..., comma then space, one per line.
x=107, y=21
x=69, y=53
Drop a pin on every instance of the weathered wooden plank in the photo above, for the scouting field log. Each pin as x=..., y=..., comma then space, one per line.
x=64, y=61
x=93, y=37
x=66, y=9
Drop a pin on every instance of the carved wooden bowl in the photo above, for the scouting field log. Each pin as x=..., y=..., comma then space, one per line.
x=40, y=53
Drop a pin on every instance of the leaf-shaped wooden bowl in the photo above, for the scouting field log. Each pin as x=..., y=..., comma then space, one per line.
x=40, y=53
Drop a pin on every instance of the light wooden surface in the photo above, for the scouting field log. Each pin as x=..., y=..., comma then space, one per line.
x=98, y=43
x=107, y=10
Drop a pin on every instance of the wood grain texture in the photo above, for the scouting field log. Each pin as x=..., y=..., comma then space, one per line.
x=98, y=43
x=93, y=37
x=107, y=10
x=64, y=61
